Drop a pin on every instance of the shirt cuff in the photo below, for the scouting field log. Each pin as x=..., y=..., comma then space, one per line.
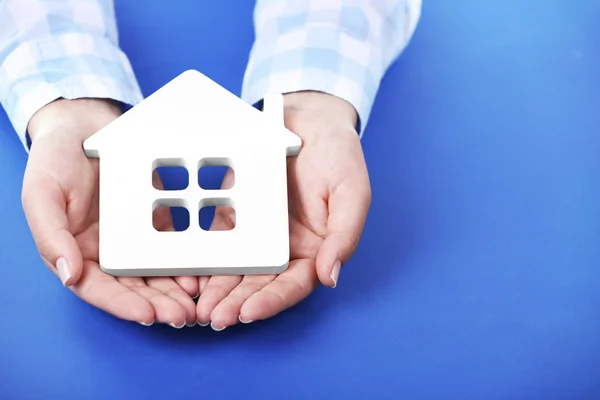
x=321, y=58
x=69, y=66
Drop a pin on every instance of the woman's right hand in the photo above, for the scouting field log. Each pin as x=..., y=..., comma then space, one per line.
x=60, y=200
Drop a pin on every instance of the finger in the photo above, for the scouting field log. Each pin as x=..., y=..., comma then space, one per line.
x=166, y=309
x=189, y=284
x=171, y=289
x=217, y=288
x=348, y=207
x=224, y=219
x=106, y=293
x=213, y=289
x=45, y=208
x=227, y=312
x=228, y=179
x=287, y=290
x=88, y=242
x=304, y=242
x=202, y=282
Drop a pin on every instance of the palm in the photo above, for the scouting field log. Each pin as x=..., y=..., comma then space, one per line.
x=227, y=298
x=329, y=196
x=70, y=185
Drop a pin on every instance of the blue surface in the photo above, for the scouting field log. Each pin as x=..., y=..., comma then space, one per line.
x=478, y=273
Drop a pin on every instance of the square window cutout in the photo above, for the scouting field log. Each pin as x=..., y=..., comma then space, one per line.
x=211, y=172
x=170, y=215
x=209, y=208
x=172, y=172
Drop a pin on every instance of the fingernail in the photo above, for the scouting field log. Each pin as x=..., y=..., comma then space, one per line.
x=146, y=323
x=216, y=329
x=203, y=323
x=244, y=322
x=196, y=296
x=63, y=269
x=335, y=272
x=177, y=327
x=190, y=325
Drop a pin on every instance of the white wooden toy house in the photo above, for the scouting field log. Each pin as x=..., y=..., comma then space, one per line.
x=191, y=122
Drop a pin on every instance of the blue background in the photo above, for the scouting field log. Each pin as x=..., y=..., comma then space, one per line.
x=478, y=273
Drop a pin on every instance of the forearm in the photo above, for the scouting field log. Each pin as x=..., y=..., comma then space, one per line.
x=51, y=49
x=343, y=50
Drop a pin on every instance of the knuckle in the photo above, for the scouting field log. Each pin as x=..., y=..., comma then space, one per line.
x=351, y=243
x=84, y=289
x=41, y=241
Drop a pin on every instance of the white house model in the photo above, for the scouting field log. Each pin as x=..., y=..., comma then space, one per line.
x=191, y=122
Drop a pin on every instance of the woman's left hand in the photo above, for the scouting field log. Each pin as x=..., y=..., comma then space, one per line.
x=329, y=197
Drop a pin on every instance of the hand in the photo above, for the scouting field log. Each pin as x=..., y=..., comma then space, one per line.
x=329, y=197
x=60, y=200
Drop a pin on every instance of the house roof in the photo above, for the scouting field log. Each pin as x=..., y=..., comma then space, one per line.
x=195, y=107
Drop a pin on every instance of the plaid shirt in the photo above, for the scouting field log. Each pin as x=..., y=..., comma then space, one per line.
x=69, y=49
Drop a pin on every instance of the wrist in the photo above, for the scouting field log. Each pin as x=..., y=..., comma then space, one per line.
x=322, y=104
x=78, y=118
x=317, y=116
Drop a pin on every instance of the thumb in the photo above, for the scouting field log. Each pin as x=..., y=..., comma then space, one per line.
x=45, y=209
x=348, y=207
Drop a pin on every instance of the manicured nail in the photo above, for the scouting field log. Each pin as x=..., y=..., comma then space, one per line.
x=243, y=321
x=177, y=327
x=146, y=323
x=203, y=323
x=64, y=270
x=190, y=325
x=335, y=272
x=196, y=296
x=216, y=329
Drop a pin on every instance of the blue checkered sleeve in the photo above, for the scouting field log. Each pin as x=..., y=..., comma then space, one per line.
x=52, y=49
x=340, y=47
